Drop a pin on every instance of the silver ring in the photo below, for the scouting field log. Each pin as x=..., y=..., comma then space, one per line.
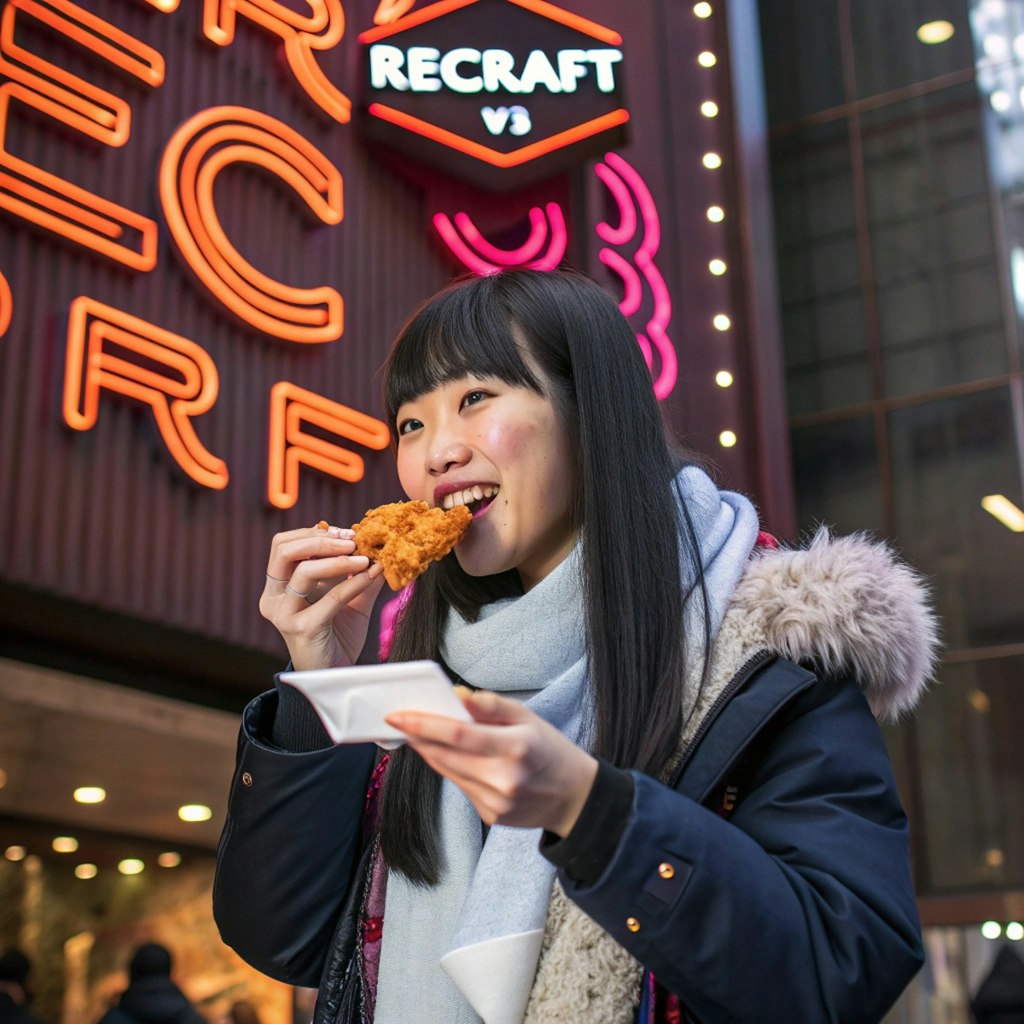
x=298, y=593
x=275, y=579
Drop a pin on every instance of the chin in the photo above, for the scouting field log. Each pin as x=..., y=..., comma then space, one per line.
x=476, y=566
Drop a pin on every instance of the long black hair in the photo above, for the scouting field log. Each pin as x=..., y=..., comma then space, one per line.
x=632, y=535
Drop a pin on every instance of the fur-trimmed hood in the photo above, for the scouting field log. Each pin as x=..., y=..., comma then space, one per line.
x=848, y=605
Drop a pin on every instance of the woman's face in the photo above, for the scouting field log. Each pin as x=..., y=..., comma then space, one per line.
x=501, y=450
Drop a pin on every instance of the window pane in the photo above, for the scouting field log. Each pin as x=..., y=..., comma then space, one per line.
x=937, y=278
x=836, y=468
x=947, y=456
x=887, y=51
x=819, y=273
x=972, y=775
x=800, y=45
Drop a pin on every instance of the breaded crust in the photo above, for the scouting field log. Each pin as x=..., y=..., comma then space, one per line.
x=406, y=536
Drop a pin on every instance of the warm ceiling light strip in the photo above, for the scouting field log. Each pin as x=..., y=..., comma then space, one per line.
x=1005, y=511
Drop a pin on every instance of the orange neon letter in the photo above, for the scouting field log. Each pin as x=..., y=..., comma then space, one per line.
x=45, y=199
x=108, y=348
x=291, y=446
x=196, y=153
x=6, y=305
x=321, y=29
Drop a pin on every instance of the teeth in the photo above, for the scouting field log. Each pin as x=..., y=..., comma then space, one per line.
x=475, y=493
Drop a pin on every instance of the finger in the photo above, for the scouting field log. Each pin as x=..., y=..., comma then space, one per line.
x=288, y=550
x=487, y=707
x=362, y=588
x=467, y=737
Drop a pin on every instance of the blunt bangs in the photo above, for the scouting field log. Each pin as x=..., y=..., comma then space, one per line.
x=466, y=331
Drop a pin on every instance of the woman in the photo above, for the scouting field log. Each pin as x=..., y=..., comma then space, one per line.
x=654, y=815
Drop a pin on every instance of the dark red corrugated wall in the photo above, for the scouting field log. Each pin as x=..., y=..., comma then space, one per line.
x=105, y=518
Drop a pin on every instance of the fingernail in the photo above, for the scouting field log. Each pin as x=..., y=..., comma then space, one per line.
x=341, y=533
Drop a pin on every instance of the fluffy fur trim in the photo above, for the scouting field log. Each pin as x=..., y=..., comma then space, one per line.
x=849, y=606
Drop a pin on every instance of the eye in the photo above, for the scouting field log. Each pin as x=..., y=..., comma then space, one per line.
x=473, y=397
x=409, y=425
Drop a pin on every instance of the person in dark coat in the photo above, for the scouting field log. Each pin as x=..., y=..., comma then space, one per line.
x=673, y=800
x=15, y=994
x=151, y=996
x=1000, y=997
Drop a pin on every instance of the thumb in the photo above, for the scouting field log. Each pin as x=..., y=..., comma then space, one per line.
x=490, y=709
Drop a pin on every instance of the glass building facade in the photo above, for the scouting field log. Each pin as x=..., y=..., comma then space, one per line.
x=897, y=166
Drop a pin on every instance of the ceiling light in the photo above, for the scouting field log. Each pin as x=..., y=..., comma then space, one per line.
x=86, y=871
x=994, y=858
x=716, y=214
x=991, y=930
x=996, y=46
x=979, y=700
x=702, y=10
x=170, y=859
x=1015, y=931
x=717, y=267
x=727, y=439
x=723, y=379
x=131, y=866
x=712, y=161
x=90, y=794
x=1000, y=101
x=195, y=812
x=15, y=853
x=1005, y=511
x=65, y=844
x=721, y=322
x=707, y=59
x=933, y=32
x=709, y=108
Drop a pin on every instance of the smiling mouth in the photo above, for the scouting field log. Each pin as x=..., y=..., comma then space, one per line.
x=477, y=499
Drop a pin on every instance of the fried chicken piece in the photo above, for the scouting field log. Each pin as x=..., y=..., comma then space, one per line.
x=406, y=536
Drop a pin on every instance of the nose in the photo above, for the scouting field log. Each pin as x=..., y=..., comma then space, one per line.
x=447, y=454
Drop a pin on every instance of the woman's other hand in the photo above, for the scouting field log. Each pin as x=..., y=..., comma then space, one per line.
x=319, y=595
x=514, y=767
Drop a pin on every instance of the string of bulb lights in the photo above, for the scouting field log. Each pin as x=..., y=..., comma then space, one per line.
x=717, y=267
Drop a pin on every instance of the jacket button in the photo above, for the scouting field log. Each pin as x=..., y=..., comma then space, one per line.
x=246, y=779
x=666, y=870
x=632, y=924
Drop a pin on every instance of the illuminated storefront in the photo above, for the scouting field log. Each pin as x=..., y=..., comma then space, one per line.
x=214, y=215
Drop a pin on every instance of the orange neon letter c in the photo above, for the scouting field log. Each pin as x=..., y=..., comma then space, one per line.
x=196, y=153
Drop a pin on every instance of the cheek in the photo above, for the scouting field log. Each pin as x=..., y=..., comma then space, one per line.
x=508, y=444
x=407, y=477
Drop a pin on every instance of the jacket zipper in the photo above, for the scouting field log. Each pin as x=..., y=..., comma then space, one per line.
x=749, y=667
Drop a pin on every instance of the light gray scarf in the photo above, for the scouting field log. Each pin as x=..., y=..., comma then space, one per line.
x=466, y=949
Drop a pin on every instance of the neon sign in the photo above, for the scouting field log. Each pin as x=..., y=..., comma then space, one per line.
x=639, y=230
x=527, y=88
x=188, y=170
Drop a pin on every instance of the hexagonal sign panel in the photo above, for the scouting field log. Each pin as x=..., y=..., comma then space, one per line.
x=497, y=92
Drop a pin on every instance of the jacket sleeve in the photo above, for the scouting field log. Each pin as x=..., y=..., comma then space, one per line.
x=801, y=906
x=287, y=850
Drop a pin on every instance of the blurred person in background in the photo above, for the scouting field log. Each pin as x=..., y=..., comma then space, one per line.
x=1000, y=997
x=15, y=993
x=151, y=996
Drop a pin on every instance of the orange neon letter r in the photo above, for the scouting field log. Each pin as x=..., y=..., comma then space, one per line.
x=321, y=29
x=108, y=348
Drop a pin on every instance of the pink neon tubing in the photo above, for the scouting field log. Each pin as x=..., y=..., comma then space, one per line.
x=553, y=225
x=627, y=211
